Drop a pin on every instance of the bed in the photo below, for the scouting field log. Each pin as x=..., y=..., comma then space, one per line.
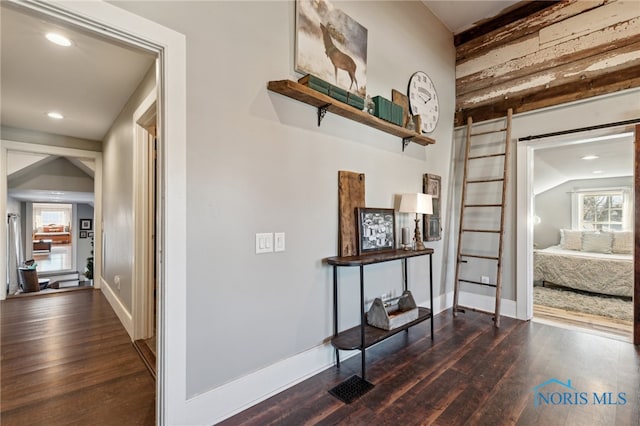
x=55, y=233
x=596, y=272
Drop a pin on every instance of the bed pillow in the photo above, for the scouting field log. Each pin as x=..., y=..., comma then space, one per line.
x=597, y=242
x=570, y=240
x=623, y=242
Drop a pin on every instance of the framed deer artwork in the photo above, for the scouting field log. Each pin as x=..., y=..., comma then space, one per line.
x=331, y=45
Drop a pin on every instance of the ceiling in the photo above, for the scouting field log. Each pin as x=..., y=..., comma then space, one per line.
x=460, y=15
x=556, y=165
x=88, y=82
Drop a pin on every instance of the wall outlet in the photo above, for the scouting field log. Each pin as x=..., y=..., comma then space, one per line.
x=484, y=279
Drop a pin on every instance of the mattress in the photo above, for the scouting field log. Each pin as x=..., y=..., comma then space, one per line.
x=610, y=274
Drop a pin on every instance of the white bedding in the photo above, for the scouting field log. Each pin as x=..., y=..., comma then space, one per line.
x=610, y=274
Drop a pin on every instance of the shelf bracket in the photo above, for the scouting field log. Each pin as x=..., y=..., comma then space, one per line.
x=405, y=142
x=322, y=111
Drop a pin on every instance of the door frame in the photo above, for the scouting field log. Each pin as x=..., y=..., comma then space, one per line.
x=8, y=145
x=143, y=196
x=525, y=223
x=116, y=23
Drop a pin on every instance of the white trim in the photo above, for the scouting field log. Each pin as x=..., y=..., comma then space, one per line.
x=142, y=324
x=524, y=230
x=487, y=303
x=114, y=22
x=5, y=147
x=117, y=306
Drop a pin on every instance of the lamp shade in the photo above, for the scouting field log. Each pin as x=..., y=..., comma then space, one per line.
x=416, y=203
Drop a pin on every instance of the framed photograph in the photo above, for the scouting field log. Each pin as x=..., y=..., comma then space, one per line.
x=432, y=223
x=376, y=230
x=86, y=224
x=331, y=45
x=90, y=234
x=83, y=234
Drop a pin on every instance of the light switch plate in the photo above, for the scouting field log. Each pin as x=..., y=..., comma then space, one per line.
x=264, y=243
x=279, y=241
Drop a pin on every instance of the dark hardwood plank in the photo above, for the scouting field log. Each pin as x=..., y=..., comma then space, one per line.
x=67, y=359
x=471, y=373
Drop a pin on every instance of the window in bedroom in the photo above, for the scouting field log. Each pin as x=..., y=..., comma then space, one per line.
x=600, y=210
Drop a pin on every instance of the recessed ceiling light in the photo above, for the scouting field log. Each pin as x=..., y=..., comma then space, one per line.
x=597, y=172
x=590, y=157
x=58, y=39
x=55, y=115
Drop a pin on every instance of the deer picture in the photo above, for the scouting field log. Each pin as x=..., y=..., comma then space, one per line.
x=340, y=60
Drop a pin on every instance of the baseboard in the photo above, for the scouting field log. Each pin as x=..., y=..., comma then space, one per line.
x=232, y=398
x=487, y=303
x=121, y=311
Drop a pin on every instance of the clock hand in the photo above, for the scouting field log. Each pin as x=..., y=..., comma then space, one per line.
x=425, y=99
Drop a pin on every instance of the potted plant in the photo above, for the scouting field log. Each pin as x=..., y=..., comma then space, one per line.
x=88, y=272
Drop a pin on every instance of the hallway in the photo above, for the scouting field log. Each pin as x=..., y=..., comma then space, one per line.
x=67, y=359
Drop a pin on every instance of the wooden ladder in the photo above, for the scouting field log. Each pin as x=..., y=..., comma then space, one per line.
x=493, y=207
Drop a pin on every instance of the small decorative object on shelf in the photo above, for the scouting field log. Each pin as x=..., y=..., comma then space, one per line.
x=376, y=230
x=411, y=125
x=393, y=313
x=406, y=239
x=369, y=105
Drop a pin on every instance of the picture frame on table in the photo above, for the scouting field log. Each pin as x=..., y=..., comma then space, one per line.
x=86, y=224
x=376, y=230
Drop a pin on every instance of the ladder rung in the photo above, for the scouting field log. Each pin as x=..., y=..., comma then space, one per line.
x=486, y=156
x=482, y=230
x=478, y=256
x=476, y=282
x=483, y=205
x=488, y=132
x=485, y=180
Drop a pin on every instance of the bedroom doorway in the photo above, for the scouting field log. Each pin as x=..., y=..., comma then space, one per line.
x=582, y=208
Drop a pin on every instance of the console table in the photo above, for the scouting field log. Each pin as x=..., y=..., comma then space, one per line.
x=363, y=336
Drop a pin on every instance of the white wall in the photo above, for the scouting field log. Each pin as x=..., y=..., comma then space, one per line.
x=57, y=175
x=554, y=207
x=13, y=206
x=257, y=162
x=117, y=196
x=32, y=136
x=606, y=109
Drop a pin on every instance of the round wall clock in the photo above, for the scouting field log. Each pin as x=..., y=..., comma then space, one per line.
x=423, y=100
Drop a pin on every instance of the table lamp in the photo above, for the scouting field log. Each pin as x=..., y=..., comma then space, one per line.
x=419, y=204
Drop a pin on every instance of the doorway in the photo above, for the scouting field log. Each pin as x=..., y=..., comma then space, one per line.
x=117, y=24
x=580, y=236
x=583, y=232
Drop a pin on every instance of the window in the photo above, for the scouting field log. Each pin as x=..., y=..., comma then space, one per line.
x=603, y=210
x=51, y=214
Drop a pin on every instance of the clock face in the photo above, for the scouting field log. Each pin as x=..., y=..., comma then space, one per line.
x=423, y=100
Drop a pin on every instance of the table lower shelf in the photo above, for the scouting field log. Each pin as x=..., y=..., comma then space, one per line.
x=350, y=339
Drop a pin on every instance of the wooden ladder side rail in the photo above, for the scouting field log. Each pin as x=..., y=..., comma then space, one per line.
x=505, y=174
x=456, y=284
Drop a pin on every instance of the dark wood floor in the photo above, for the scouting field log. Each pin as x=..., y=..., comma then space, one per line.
x=66, y=359
x=470, y=374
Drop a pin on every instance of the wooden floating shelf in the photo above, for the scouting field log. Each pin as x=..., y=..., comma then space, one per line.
x=350, y=339
x=321, y=101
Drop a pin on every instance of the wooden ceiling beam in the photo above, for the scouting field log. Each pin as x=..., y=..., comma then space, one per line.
x=519, y=11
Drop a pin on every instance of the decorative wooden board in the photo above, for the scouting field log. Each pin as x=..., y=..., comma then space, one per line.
x=402, y=100
x=432, y=223
x=350, y=196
